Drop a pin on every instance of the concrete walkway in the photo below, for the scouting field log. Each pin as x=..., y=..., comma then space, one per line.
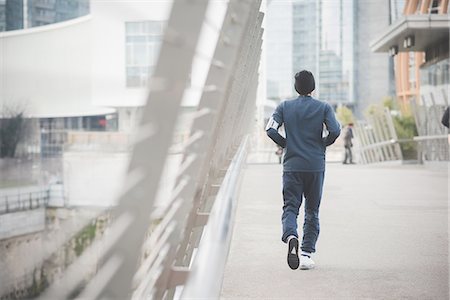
x=384, y=235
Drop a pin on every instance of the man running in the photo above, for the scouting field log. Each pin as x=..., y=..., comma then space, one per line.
x=304, y=164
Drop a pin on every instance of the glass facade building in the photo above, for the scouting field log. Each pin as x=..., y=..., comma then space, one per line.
x=40, y=12
x=305, y=36
x=337, y=53
x=13, y=15
x=323, y=35
x=278, y=43
x=2, y=15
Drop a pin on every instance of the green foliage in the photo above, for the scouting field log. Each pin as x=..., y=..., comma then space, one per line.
x=372, y=109
x=389, y=103
x=85, y=238
x=405, y=126
x=345, y=115
x=38, y=285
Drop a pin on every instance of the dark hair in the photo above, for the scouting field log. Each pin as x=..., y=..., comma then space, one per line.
x=304, y=82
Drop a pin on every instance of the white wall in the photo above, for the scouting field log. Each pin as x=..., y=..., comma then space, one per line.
x=75, y=67
x=96, y=179
x=108, y=33
x=46, y=70
x=22, y=222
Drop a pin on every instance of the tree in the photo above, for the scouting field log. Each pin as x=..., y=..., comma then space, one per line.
x=12, y=130
x=345, y=115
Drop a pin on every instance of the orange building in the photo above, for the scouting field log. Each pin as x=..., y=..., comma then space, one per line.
x=407, y=64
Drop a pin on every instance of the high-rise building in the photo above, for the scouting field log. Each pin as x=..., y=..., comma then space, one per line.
x=337, y=52
x=13, y=14
x=334, y=86
x=373, y=72
x=331, y=39
x=43, y=12
x=19, y=14
x=305, y=36
x=278, y=43
x=2, y=15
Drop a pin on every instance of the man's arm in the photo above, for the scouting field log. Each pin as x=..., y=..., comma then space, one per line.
x=333, y=126
x=274, y=124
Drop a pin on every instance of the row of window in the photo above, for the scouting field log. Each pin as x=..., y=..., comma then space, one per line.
x=436, y=74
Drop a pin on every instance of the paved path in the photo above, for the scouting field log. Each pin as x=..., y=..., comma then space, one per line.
x=384, y=235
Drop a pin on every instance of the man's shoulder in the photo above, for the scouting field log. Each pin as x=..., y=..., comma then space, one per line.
x=289, y=100
x=320, y=102
x=292, y=101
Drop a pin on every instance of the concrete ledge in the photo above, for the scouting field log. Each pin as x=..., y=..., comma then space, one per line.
x=23, y=222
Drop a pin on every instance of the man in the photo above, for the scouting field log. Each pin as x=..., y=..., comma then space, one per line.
x=348, y=145
x=304, y=164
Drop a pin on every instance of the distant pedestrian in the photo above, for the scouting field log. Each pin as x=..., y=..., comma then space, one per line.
x=348, y=144
x=303, y=164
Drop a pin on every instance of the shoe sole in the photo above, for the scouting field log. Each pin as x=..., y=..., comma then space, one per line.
x=292, y=259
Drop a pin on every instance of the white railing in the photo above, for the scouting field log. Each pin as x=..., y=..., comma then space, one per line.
x=207, y=271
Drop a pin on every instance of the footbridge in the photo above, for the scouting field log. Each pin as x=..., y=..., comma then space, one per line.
x=212, y=230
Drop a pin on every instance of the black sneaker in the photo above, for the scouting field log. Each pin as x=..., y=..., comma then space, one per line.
x=292, y=257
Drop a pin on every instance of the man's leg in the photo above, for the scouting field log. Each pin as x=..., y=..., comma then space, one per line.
x=346, y=155
x=313, y=195
x=350, y=154
x=292, y=197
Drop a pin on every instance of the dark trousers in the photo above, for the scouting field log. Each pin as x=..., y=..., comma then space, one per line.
x=297, y=185
x=348, y=155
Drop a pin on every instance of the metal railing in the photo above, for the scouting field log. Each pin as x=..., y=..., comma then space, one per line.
x=22, y=201
x=378, y=140
x=207, y=272
x=147, y=252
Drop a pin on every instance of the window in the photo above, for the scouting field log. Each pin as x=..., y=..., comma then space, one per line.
x=143, y=40
x=435, y=7
x=412, y=70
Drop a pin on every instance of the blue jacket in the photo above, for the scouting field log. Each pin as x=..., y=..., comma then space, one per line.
x=304, y=119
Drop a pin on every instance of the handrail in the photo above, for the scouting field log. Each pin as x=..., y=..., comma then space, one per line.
x=207, y=272
x=10, y=203
x=430, y=137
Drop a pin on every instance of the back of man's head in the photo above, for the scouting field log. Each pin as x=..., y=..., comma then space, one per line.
x=304, y=82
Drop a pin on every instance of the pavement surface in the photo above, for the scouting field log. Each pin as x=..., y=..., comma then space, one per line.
x=384, y=235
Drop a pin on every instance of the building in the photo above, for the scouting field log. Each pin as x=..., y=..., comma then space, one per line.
x=334, y=86
x=278, y=48
x=2, y=15
x=94, y=74
x=419, y=42
x=373, y=72
x=20, y=14
x=14, y=18
x=336, y=49
x=305, y=38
